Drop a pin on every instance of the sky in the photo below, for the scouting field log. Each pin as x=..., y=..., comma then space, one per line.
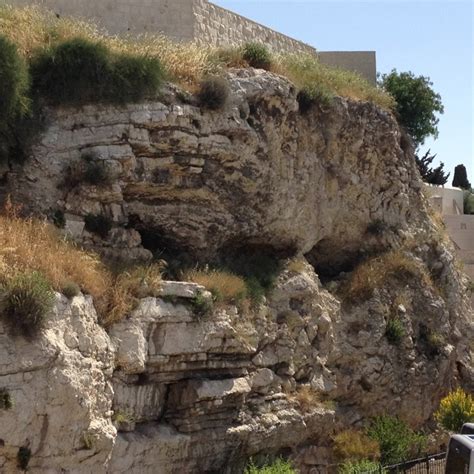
x=429, y=38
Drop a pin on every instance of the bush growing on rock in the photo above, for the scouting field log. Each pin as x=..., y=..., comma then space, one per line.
x=70, y=290
x=79, y=70
x=25, y=302
x=257, y=55
x=6, y=401
x=396, y=439
x=455, y=409
x=361, y=467
x=395, y=331
x=214, y=92
x=312, y=95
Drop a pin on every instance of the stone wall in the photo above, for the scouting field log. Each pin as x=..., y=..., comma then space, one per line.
x=217, y=26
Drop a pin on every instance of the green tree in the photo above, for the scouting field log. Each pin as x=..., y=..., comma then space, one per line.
x=417, y=103
x=460, y=178
x=428, y=174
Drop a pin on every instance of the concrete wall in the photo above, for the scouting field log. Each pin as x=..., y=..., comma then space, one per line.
x=461, y=230
x=362, y=62
x=174, y=18
x=449, y=201
x=217, y=26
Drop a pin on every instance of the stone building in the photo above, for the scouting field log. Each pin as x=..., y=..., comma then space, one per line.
x=200, y=21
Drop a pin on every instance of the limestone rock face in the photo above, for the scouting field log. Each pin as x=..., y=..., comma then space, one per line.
x=169, y=391
x=257, y=172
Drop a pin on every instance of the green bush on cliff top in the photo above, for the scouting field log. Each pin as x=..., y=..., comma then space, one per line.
x=79, y=70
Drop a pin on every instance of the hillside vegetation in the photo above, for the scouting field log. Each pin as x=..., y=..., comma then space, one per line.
x=34, y=30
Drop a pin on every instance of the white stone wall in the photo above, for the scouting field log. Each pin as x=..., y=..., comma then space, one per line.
x=450, y=201
x=217, y=26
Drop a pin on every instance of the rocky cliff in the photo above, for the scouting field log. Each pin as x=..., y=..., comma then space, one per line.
x=332, y=192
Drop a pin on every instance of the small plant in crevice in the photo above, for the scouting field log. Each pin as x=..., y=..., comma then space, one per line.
x=88, y=440
x=58, y=218
x=202, y=306
x=98, y=224
x=213, y=93
x=312, y=95
x=377, y=227
x=23, y=457
x=6, y=400
x=95, y=172
x=431, y=341
x=278, y=466
x=257, y=55
x=120, y=417
x=395, y=331
x=25, y=302
x=70, y=290
x=352, y=445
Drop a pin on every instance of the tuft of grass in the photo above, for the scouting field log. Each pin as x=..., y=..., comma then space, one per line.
x=314, y=94
x=308, y=398
x=257, y=55
x=122, y=417
x=377, y=227
x=279, y=466
x=354, y=445
x=394, y=331
x=23, y=457
x=6, y=400
x=202, y=306
x=99, y=224
x=213, y=93
x=376, y=272
x=79, y=70
x=361, y=467
x=307, y=73
x=70, y=290
x=25, y=303
x=223, y=285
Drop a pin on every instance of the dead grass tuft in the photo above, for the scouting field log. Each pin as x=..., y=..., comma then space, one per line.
x=375, y=272
x=225, y=286
x=352, y=445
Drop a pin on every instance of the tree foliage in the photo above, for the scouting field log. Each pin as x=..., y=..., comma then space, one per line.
x=417, y=103
x=460, y=178
x=429, y=174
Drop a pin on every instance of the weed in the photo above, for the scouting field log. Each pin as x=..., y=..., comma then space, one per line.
x=224, y=286
x=88, y=440
x=23, y=457
x=58, y=218
x=6, y=400
x=70, y=290
x=361, y=467
x=202, y=306
x=377, y=227
x=307, y=398
x=257, y=55
x=213, y=93
x=355, y=446
x=120, y=417
x=96, y=173
x=279, y=466
x=394, y=331
x=99, y=224
x=26, y=300
x=314, y=94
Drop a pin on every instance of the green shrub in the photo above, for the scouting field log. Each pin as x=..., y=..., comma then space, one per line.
x=78, y=71
x=135, y=77
x=314, y=94
x=257, y=55
x=395, y=331
x=6, y=401
x=23, y=457
x=361, y=467
x=214, y=92
x=397, y=440
x=468, y=202
x=377, y=227
x=74, y=71
x=280, y=466
x=202, y=306
x=58, y=218
x=98, y=224
x=14, y=84
x=96, y=173
x=26, y=300
x=455, y=409
x=70, y=290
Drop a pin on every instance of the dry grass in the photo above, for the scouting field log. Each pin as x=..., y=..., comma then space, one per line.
x=186, y=63
x=352, y=445
x=32, y=28
x=375, y=273
x=28, y=245
x=225, y=286
x=304, y=70
x=296, y=265
x=308, y=399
